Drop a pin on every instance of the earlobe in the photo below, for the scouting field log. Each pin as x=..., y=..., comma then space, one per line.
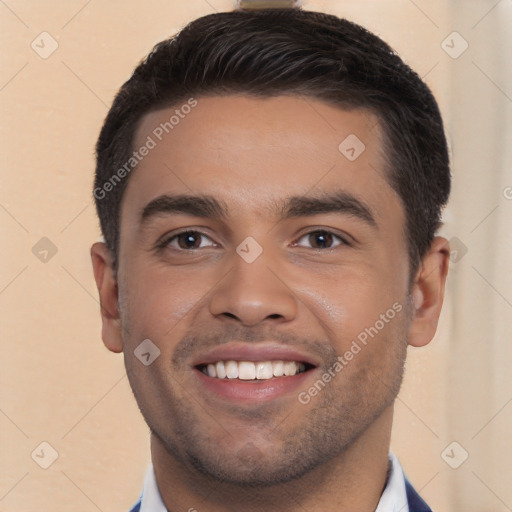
x=106, y=282
x=428, y=293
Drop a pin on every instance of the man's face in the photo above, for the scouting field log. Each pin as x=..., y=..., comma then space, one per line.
x=264, y=175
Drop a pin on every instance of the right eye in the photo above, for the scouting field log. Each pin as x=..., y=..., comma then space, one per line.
x=189, y=240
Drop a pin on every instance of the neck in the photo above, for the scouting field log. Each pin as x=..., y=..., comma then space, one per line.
x=352, y=481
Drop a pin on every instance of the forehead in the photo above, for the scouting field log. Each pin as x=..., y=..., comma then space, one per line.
x=252, y=151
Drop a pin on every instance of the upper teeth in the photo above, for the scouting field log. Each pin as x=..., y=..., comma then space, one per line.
x=248, y=370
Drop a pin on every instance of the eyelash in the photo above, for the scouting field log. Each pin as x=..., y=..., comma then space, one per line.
x=342, y=240
x=166, y=241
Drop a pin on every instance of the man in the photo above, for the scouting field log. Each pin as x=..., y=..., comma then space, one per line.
x=269, y=185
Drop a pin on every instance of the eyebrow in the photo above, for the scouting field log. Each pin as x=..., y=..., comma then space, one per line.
x=337, y=202
x=198, y=206
x=293, y=207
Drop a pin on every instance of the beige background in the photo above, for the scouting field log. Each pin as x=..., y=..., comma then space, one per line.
x=58, y=384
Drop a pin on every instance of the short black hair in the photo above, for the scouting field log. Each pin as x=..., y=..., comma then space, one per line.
x=274, y=52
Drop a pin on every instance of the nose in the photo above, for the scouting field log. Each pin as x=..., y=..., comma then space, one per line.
x=252, y=293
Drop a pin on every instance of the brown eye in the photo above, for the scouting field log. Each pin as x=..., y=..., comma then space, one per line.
x=320, y=240
x=190, y=240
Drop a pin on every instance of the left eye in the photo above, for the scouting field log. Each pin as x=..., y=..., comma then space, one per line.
x=320, y=240
x=190, y=240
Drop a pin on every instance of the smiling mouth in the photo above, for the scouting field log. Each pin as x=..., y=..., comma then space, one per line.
x=253, y=370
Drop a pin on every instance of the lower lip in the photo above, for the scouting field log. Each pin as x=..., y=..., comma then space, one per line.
x=254, y=391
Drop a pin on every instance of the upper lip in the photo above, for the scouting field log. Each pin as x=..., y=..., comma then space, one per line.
x=261, y=351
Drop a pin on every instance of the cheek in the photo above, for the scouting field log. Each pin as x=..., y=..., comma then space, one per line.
x=351, y=304
x=156, y=302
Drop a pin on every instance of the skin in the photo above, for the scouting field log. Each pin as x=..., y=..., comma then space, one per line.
x=251, y=155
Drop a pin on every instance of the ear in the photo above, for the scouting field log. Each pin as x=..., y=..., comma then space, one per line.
x=106, y=281
x=428, y=293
